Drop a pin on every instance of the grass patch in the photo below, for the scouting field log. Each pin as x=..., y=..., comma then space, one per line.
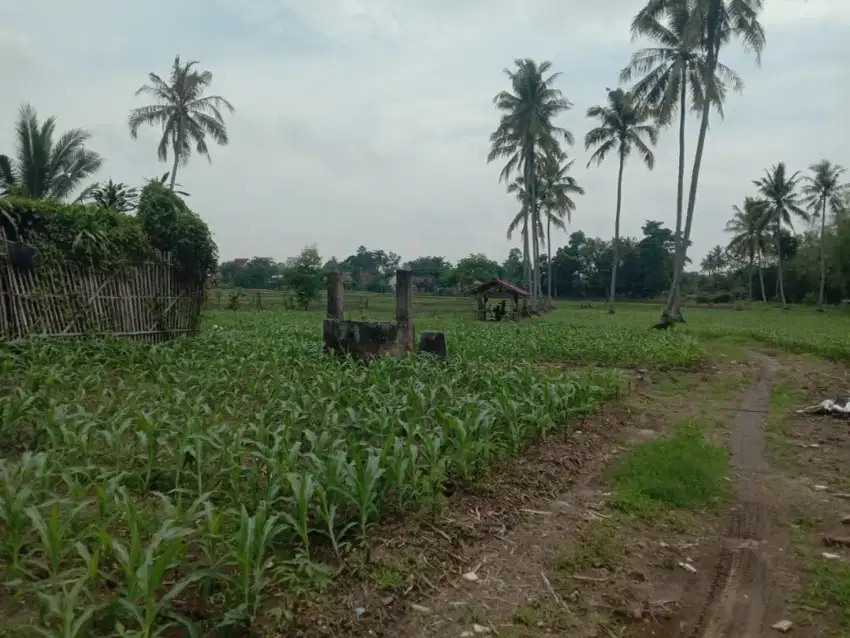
x=598, y=546
x=829, y=588
x=389, y=578
x=685, y=471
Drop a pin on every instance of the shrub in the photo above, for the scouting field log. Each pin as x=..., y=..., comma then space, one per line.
x=172, y=227
x=88, y=236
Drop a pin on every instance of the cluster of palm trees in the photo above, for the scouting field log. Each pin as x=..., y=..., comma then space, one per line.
x=47, y=165
x=780, y=198
x=681, y=74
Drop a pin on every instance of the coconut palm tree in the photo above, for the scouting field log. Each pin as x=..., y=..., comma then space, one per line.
x=184, y=113
x=748, y=238
x=116, y=196
x=782, y=200
x=823, y=188
x=623, y=125
x=712, y=26
x=44, y=167
x=526, y=130
x=671, y=78
x=556, y=202
x=714, y=261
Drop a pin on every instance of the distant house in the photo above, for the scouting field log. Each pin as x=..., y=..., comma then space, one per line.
x=241, y=262
x=346, y=278
x=424, y=283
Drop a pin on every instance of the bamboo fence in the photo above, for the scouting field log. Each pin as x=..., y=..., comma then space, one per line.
x=147, y=301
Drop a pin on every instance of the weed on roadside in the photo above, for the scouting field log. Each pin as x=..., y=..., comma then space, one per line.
x=829, y=588
x=684, y=471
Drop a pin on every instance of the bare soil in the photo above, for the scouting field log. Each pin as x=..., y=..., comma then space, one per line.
x=538, y=551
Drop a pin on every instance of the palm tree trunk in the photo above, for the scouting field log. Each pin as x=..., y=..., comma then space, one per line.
x=692, y=192
x=178, y=147
x=616, y=247
x=780, y=283
x=673, y=296
x=751, y=270
x=822, y=257
x=526, y=258
x=549, y=256
x=761, y=279
x=535, y=246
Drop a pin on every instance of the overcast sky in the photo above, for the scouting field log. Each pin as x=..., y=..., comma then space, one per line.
x=367, y=121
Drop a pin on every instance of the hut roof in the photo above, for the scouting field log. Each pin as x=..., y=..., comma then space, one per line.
x=499, y=284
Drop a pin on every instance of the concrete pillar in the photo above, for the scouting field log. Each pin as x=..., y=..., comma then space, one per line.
x=336, y=294
x=404, y=305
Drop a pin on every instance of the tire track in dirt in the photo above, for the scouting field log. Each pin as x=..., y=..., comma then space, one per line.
x=731, y=602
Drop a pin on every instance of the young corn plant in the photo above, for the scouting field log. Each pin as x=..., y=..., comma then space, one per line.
x=303, y=488
x=250, y=555
x=68, y=611
x=364, y=491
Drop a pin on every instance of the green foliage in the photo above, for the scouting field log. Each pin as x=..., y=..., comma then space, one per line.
x=173, y=227
x=117, y=196
x=87, y=236
x=304, y=275
x=829, y=587
x=475, y=267
x=685, y=471
x=44, y=167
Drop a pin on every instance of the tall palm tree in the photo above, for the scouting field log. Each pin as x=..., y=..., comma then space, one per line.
x=713, y=25
x=823, y=188
x=112, y=195
x=554, y=189
x=748, y=238
x=526, y=130
x=185, y=115
x=782, y=200
x=672, y=78
x=556, y=202
x=714, y=261
x=44, y=167
x=623, y=125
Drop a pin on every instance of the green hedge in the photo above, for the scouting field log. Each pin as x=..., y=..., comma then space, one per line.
x=91, y=236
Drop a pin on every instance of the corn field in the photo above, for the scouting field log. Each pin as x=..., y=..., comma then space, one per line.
x=192, y=486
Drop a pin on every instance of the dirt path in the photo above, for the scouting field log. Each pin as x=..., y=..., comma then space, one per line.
x=731, y=598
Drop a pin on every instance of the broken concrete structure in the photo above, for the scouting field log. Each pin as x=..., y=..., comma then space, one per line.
x=369, y=339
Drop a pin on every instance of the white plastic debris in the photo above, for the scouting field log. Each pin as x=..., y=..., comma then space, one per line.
x=829, y=556
x=783, y=626
x=420, y=608
x=688, y=567
x=480, y=629
x=821, y=488
x=828, y=406
x=472, y=577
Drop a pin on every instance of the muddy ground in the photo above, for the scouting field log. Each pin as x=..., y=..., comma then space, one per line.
x=537, y=549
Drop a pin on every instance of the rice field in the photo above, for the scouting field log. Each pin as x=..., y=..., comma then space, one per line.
x=196, y=485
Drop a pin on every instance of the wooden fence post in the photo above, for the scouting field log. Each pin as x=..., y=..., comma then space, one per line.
x=404, y=305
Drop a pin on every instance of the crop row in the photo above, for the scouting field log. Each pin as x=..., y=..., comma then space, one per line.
x=192, y=483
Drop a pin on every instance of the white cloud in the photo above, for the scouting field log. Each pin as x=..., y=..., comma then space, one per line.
x=366, y=121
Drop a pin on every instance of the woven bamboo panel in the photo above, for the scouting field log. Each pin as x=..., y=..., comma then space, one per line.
x=146, y=301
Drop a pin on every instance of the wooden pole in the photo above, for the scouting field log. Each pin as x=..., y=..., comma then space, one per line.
x=404, y=305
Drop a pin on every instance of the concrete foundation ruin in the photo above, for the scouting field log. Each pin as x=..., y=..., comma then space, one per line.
x=366, y=340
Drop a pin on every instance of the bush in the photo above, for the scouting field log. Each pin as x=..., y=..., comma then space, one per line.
x=172, y=227
x=93, y=236
x=88, y=236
